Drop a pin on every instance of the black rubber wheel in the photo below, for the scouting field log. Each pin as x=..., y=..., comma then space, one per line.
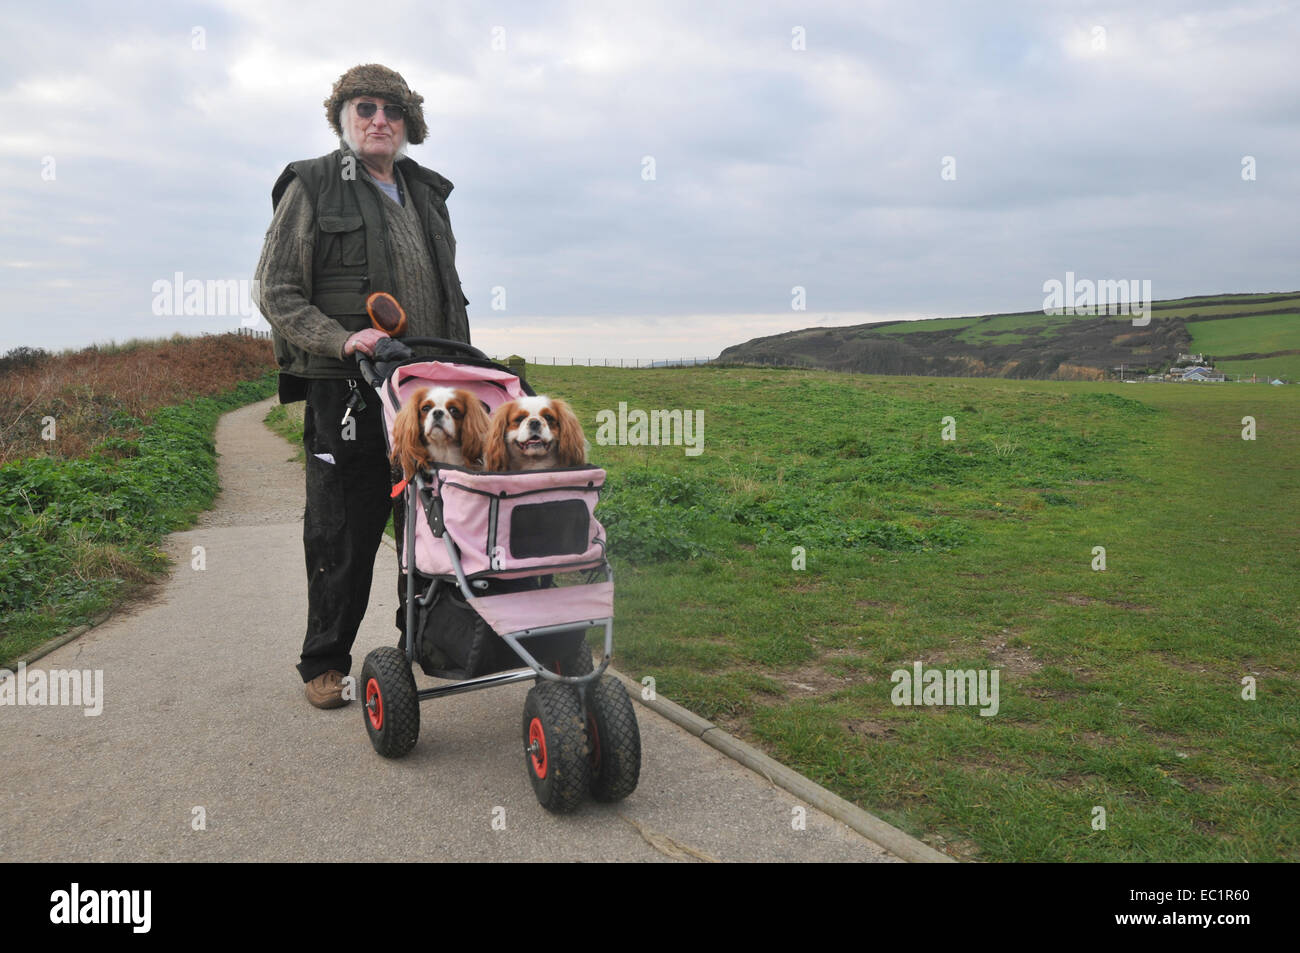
x=390, y=706
x=555, y=746
x=615, y=740
x=577, y=662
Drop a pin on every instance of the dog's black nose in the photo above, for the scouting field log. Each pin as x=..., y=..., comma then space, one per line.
x=535, y=425
x=437, y=415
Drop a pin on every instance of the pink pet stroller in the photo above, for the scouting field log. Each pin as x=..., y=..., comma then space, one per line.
x=483, y=600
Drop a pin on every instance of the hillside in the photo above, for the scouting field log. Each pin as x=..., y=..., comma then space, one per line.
x=105, y=393
x=1243, y=334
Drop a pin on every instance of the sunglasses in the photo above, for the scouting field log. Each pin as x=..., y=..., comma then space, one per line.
x=392, y=112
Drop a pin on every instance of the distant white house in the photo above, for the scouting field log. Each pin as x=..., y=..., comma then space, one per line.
x=1203, y=375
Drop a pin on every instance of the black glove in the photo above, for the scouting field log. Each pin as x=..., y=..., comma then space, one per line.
x=391, y=351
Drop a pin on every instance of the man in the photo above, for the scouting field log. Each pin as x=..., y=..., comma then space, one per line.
x=364, y=218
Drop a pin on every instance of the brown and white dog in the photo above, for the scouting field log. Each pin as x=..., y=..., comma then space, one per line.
x=533, y=433
x=440, y=425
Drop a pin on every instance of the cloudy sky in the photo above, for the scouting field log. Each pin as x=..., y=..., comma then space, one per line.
x=797, y=144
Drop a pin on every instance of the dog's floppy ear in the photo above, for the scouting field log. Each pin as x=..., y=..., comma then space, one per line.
x=495, y=456
x=474, y=429
x=408, y=440
x=572, y=451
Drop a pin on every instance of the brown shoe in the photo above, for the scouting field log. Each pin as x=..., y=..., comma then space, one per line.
x=326, y=691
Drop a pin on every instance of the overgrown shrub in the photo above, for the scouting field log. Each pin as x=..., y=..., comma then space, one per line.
x=68, y=526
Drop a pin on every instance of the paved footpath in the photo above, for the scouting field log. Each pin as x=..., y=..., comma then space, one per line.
x=203, y=709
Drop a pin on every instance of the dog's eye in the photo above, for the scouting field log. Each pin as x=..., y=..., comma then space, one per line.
x=426, y=408
x=549, y=418
x=456, y=412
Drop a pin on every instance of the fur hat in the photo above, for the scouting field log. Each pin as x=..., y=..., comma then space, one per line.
x=371, y=79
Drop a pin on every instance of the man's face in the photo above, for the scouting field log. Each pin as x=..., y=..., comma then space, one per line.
x=376, y=137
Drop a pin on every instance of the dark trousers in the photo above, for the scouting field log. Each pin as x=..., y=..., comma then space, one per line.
x=348, y=506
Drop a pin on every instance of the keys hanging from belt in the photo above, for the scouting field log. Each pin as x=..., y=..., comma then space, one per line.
x=355, y=403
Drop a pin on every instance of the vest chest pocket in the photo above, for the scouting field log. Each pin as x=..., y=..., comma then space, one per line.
x=343, y=297
x=345, y=239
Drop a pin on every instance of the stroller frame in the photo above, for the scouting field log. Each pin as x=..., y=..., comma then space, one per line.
x=377, y=377
x=580, y=732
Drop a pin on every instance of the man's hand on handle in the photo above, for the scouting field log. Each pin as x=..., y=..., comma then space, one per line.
x=364, y=341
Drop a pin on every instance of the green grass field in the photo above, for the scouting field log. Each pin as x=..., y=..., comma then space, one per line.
x=1256, y=300
x=1186, y=311
x=1005, y=328
x=1286, y=367
x=930, y=324
x=1259, y=334
x=1120, y=688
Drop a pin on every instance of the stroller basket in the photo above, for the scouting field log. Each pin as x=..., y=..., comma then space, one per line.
x=509, y=525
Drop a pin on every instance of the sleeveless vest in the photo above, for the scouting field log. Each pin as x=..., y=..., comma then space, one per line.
x=352, y=257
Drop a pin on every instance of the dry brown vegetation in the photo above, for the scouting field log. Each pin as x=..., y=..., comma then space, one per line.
x=101, y=392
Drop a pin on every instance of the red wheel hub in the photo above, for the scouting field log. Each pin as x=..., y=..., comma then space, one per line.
x=537, y=747
x=374, y=705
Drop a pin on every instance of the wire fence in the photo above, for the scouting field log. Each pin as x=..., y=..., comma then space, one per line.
x=555, y=361
x=632, y=363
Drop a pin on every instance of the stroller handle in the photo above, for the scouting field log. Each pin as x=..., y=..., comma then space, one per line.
x=446, y=344
x=374, y=377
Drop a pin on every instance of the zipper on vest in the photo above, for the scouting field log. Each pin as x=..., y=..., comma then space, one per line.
x=383, y=239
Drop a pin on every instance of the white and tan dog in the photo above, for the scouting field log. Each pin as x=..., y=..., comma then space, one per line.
x=534, y=433
x=440, y=425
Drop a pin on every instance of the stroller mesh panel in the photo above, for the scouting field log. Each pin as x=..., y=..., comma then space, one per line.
x=558, y=528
